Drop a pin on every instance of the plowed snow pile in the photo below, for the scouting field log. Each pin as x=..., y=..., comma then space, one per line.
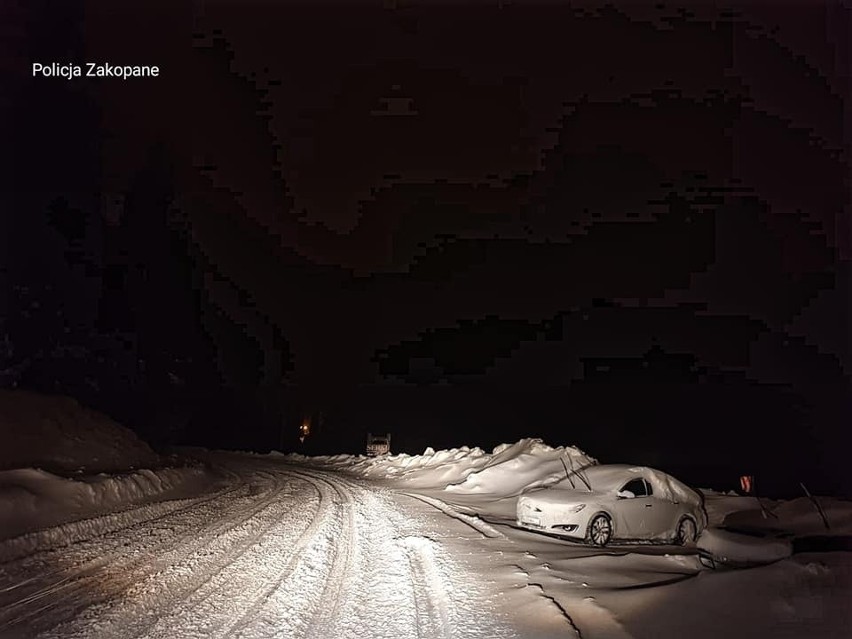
x=43, y=437
x=31, y=499
x=507, y=470
x=58, y=434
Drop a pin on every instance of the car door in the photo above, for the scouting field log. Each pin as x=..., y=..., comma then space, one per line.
x=661, y=514
x=634, y=512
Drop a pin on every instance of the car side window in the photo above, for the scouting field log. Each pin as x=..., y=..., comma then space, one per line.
x=636, y=486
x=648, y=490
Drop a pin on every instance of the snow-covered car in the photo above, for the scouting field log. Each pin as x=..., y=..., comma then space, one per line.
x=615, y=501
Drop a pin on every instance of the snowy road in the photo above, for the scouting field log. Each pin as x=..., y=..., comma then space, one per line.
x=276, y=548
x=278, y=551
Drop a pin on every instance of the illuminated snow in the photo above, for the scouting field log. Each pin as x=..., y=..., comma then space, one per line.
x=399, y=546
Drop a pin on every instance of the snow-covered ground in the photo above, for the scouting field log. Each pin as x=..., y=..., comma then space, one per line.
x=281, y=551
x=57, y=434
x=53, y=458
x=640, y=590
x=242, y=545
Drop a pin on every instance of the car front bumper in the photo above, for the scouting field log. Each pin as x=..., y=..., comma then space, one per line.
x=562, y=528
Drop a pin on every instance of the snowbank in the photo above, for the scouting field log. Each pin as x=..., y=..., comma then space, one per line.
x=59, y=434
x=45, y=437
x=797, y=516
x=738, y=549
x=525, y=465
x=31, y=499
x=506, y=471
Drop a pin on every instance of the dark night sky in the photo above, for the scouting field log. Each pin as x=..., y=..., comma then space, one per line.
x=460, y=222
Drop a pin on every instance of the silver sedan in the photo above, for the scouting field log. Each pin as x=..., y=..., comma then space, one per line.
x=602, y=503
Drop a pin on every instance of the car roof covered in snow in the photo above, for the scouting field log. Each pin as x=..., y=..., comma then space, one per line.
x=605, y=477
x=610, y=477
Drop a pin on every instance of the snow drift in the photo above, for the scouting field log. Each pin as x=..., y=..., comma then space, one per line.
x=797, y=516
x=506, y=471
x=738, y=549
x=524, y=465
x=58, y=434
x=54, y=456
x=32, y=499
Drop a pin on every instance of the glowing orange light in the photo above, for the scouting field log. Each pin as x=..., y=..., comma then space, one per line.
x=304, y=429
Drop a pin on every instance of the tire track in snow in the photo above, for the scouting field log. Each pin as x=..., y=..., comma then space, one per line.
x=307, y=581
x=430, y=598
x=342, y=564
x=57, y=537
x=87, y=584
x=73, y=577
x=326, y=591
x=433, y=608
x=216, y=604
x=82, y=581
x=194, y=588
x=255, y=597
x=337, y=559
x=83, y=533
x=483, y=528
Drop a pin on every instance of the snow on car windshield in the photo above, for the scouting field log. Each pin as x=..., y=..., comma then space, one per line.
x=611, y=477
x=601, y=478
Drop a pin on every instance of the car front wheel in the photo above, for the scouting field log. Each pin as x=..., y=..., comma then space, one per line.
x=686, y=532
x=600, y=530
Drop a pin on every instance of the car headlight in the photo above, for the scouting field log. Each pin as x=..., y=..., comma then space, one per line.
x=577, y=508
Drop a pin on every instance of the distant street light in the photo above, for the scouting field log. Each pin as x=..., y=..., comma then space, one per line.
x=304, y=429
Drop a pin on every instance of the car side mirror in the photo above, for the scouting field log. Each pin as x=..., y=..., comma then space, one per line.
x=625, y=494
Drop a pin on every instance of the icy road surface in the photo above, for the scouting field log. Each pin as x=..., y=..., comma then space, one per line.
x=279, y=551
